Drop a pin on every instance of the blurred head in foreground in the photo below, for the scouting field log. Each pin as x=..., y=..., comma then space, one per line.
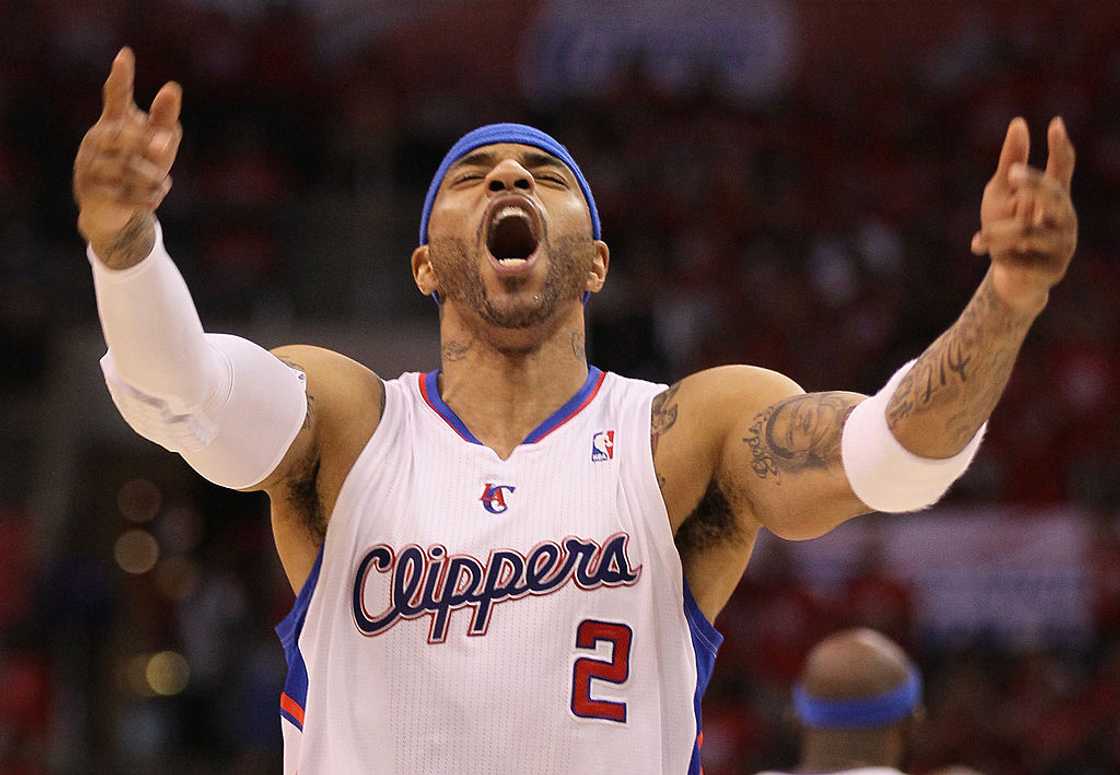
x=856, y=702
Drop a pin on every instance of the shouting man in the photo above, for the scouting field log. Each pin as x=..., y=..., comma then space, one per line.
x=512, y=562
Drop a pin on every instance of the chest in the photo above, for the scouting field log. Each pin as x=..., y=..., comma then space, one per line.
x=466, y=497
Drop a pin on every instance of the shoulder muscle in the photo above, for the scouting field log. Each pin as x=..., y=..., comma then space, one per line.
x=345, y=401
x=692, y=420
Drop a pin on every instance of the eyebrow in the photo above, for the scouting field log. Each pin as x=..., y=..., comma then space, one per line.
x=531, y=159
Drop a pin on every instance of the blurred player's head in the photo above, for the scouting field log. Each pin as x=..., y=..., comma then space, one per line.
x=509, y=233
x=856, y=702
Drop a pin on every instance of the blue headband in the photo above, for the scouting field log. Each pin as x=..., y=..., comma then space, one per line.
x=877, y=711
x=505, y=133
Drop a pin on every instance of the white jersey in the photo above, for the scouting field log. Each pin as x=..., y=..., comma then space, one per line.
x=469, y=614
x=856, y=771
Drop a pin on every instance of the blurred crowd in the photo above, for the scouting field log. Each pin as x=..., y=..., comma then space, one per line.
x=822, y=231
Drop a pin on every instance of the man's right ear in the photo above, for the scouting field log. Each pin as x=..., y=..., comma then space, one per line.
x=423, y=274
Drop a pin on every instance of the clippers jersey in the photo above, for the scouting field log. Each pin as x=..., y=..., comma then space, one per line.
x=856, y=771
x=468, y=614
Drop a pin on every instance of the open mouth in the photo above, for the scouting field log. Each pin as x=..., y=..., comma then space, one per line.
x=512, y=231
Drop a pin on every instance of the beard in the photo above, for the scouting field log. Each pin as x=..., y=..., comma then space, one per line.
x=460, y=279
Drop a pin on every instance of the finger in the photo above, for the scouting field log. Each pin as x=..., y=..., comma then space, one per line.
x=1010, y=235
x=125, y=170
x=1003, y=232
x=1038, y=199
x=116, y=96
x=1016, y=147
x=108, y=191
x=163, y=145
x=1032, y=250
x=119, y=137
x=164, y=112
x=1061, y=156
x=144, y=171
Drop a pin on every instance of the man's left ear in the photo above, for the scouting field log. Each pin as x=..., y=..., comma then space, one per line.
x=600, y=265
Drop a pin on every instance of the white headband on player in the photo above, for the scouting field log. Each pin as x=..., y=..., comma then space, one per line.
x=885, y=475
x=228, y=406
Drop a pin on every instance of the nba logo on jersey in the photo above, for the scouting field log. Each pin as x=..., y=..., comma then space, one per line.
x=602, y=446
x=493, y=497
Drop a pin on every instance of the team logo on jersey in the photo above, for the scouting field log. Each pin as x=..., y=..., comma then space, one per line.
x=435, y=584
x=494, y=497
x=602, y=446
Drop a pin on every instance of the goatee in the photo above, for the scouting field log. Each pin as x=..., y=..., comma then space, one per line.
x=460, y=279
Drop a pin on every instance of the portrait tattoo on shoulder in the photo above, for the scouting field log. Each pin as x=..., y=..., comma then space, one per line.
x=663, y=415
x=798, y=434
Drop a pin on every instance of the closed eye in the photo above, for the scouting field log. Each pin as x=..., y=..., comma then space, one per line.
x=466, y=177
x=553, y=178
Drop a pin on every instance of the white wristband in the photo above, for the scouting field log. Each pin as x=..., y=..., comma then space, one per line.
x=885, y=475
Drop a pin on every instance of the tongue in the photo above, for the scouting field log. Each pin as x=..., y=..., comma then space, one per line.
x=511, y=237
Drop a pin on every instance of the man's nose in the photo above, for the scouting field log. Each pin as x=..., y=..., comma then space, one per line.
x=509, y=176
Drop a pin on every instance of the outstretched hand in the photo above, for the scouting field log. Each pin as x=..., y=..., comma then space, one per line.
x=1027, y=222
x=121, y=170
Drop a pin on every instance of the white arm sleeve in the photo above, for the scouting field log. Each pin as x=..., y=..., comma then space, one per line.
x=228, y=406
x=883, y=473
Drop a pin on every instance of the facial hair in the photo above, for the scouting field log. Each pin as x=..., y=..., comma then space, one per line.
x=460, y=279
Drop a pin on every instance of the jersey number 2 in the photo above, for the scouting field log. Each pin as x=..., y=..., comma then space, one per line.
x=588, y=635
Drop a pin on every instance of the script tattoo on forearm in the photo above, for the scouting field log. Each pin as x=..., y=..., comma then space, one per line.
x=799, y=434
x=131, y=245
x=959, y=379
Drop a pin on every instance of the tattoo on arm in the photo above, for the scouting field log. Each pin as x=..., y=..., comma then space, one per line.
x=798, y=434
x=308, y=417
x=663, y=415
x=961, y=376
x=131, y=245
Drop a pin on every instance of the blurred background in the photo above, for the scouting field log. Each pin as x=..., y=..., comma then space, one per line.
x=782, y=182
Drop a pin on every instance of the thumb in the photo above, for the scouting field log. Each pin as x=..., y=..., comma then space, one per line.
x=1016, y=147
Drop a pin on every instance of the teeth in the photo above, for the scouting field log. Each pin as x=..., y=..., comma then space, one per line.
x=509, y=211
x=511, y=261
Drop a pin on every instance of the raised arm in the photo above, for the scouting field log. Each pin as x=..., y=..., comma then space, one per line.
x=794, y=462
x=239, y=415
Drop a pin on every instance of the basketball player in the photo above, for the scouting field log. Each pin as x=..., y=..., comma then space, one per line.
x=856, y=703
x=512, y=562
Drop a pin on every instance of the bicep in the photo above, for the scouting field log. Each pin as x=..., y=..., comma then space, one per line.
x=783, y=454
x=343, y=398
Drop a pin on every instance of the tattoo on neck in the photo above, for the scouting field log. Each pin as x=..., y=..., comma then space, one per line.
x=798, y=434
x=456, y=350
x=969, y=366
x=577, y=342
x=131, y=245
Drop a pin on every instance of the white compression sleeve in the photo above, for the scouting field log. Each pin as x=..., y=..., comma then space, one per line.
x=883, y=473
x=229, y=407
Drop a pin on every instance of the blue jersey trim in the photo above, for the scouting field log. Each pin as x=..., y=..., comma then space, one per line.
x=706, y=641
x=289, y=629
x=430, y=389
